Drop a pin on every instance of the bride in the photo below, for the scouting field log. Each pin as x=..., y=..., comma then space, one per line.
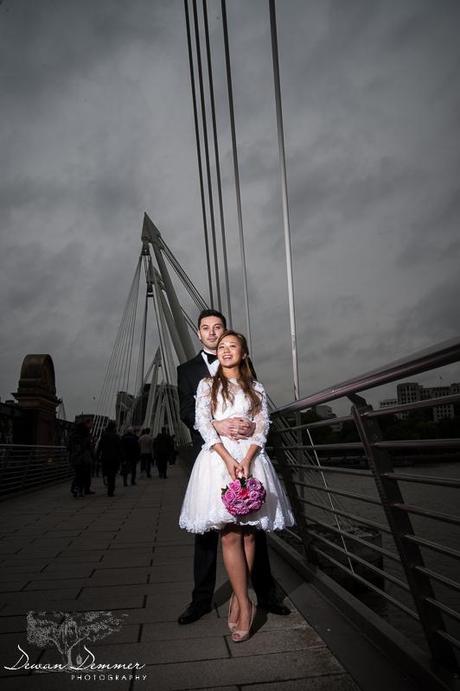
x=233, y=392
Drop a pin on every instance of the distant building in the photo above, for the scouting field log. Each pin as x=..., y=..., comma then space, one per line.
x=388, y=403
x=411, y=392
x=32, y=418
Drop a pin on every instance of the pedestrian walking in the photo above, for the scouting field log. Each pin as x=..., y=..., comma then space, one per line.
x=146, y=447
x=132, y=452
x=163, y=450
x=110, y=455
x=81, y=458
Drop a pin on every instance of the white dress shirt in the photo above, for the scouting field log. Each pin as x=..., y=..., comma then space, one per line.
x=213, y=366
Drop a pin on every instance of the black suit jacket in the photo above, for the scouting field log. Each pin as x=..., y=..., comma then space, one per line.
x=189, y=375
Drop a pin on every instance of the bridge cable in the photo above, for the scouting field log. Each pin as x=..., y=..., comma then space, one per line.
x=287, y=238
x=217, y=163
x=198, y=150
x=122, y=382
x=132, y=331
x=206, y=151
x=140, y=370
x=236, y=171
x=114, y=362
x=114, y=371
x=284, y=194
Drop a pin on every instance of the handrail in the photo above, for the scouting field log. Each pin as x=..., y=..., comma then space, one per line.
x=33, y=446
x=394, y=409
x=332, y=549
x=25, y=467
x=422, y=361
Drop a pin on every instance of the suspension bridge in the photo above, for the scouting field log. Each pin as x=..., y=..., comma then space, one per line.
x=156, y=328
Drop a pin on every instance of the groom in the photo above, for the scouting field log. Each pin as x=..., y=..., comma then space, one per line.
x=211, y=324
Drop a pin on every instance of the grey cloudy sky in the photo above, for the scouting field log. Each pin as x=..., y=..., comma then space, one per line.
x=97, y=127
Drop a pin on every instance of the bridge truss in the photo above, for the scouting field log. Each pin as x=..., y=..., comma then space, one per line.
x=143, y=393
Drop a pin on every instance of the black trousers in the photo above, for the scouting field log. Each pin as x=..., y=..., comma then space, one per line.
x=129, y=467
x=146, y=463
x=78, y=482
x=162, y=464
x=110, y=483
x=86, y=478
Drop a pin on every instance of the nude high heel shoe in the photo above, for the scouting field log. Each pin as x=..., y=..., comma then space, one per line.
x=242, y=635
x=231, y=624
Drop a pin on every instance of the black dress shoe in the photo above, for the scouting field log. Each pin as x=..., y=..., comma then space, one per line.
x=275, y=608
x=193, y=613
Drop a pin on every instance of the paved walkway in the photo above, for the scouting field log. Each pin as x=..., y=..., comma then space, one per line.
x=126, y=555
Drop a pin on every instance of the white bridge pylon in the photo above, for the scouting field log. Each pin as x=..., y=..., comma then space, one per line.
x=150, y=398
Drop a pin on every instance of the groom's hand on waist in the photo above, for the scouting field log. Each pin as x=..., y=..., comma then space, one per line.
x=245, y=428
x=234, y=428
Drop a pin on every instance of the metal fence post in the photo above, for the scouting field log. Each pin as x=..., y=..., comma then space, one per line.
x=380, y=462
x=286, y=474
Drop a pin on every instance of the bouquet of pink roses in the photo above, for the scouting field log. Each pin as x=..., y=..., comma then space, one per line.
x=243, y=496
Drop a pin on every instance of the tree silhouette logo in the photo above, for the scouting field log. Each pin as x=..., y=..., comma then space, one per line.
x=67, y=630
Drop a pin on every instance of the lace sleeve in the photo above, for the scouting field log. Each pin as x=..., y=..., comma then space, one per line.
x=261, y=419
x=203, y=417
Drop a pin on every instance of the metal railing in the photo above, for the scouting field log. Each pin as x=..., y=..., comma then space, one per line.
x=382, y=532
x=24, y=467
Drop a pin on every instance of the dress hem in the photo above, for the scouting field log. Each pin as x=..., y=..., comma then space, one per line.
x=246, y=524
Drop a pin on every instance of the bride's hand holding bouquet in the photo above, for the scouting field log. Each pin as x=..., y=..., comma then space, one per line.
x=245, y=466
x=243, y=495
x=233, y=467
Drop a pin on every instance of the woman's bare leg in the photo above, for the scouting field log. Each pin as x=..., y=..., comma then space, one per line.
x=237, y=569
x=249, y=547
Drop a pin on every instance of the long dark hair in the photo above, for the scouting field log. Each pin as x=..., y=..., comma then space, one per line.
x=246, y=378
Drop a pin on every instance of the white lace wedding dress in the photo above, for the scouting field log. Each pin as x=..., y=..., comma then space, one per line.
x=202, y=508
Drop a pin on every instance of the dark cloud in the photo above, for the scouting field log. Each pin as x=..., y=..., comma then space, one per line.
x=435, y=236
x=97, y=127
x=46, y=45
x=435, y=313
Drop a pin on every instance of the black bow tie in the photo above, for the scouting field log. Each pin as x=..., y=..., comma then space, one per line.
x=210, y=357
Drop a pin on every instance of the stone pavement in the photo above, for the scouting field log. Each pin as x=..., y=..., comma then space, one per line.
x=126, y=555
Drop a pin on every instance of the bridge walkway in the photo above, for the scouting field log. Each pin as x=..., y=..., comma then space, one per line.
x=126, y=555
